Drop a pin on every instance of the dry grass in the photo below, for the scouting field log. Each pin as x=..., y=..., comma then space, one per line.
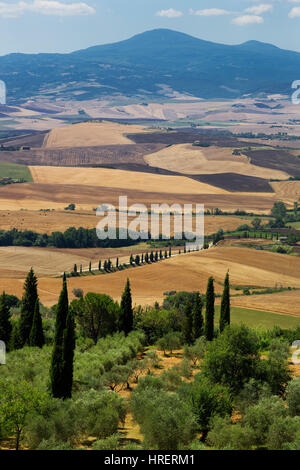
x=90, y=134
x=287, y=302
x=53, y=221
x=186, y=272
x=188, y=159
x=287, y=191
x=104, y=177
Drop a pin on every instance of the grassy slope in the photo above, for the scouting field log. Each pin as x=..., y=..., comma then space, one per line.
x=260, y=319
x=12, y=170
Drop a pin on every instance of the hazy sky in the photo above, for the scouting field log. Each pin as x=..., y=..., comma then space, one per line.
x=67, y=25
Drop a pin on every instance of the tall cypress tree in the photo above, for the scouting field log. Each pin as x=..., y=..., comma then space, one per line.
x=126, y=316
x=56, y=369
x=28, y=305
x=68, y=356
x=37, y=337
x=187, y=326
x=197, y=317
x=210, y=310
x=225, y=304
x=5, y=325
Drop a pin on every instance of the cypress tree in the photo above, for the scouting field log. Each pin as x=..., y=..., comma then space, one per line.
x=5, y=325
x=68, y=356
x=117, y=263
x=170, y=252
x=156, y=256
x=197, y=317
x=166, y=254
x=99, y=266
x=187, y=326
x=15, y=340
x=160, y=255
x=126, y=316
x=81, y=269
x=225, y=305
x=90, y=267
x=28, y=305
x=210, y=310
x=56, y=370
x=75, y=269
x=36, y=337
x=142, y=262
x=146, y=258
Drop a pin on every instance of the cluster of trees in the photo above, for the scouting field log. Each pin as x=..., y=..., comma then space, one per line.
x=97, y=348
x=28, y=330
x=71, y=238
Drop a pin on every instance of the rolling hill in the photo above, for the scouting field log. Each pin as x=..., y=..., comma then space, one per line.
x=152, y=64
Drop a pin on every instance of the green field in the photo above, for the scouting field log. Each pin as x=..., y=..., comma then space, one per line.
x=12, y=170
x=260, y=319
x=295, y=225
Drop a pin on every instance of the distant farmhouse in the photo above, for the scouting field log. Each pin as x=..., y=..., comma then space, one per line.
x=2, y=92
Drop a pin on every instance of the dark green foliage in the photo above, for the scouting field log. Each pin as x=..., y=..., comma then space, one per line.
x=232, y=359
x=187, y=325
x=36, y=337
x=56, y=370
x=210, y=310
x=126, y=314
x=225, y=305
x=68, y=355
x=206, y=400
x=28, y=305
x=197, y=317
x=5, y=324
x=97, y=315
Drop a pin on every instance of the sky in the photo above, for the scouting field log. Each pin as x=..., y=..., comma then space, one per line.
x=33, y=26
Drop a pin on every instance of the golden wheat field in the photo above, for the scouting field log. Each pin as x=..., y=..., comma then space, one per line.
x=90, y=134
x=189, y=159
x=61, y=220
x=121, y=179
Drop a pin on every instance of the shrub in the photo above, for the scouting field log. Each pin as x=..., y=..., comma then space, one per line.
x=293, y=397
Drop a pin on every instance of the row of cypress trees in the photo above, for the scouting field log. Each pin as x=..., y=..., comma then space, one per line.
x=194, y=325
x=210, y=307
x=28, y=331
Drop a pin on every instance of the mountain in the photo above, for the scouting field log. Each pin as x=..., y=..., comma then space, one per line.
x=152, y=64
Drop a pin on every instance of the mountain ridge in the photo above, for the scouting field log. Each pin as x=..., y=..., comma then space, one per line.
x=138, y=66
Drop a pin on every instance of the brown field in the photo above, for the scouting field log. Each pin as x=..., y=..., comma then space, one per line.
x=284, y=302
x=189, y=159
x=48, y=222
x=104, y=177
x=185, y=272
x=235, y=182
x=15, y=261
x=287, y=191
x=90, y=134
x=275, y=159
x=34, y=196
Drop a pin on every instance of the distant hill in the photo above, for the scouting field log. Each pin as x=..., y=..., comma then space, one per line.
x=152, y=64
